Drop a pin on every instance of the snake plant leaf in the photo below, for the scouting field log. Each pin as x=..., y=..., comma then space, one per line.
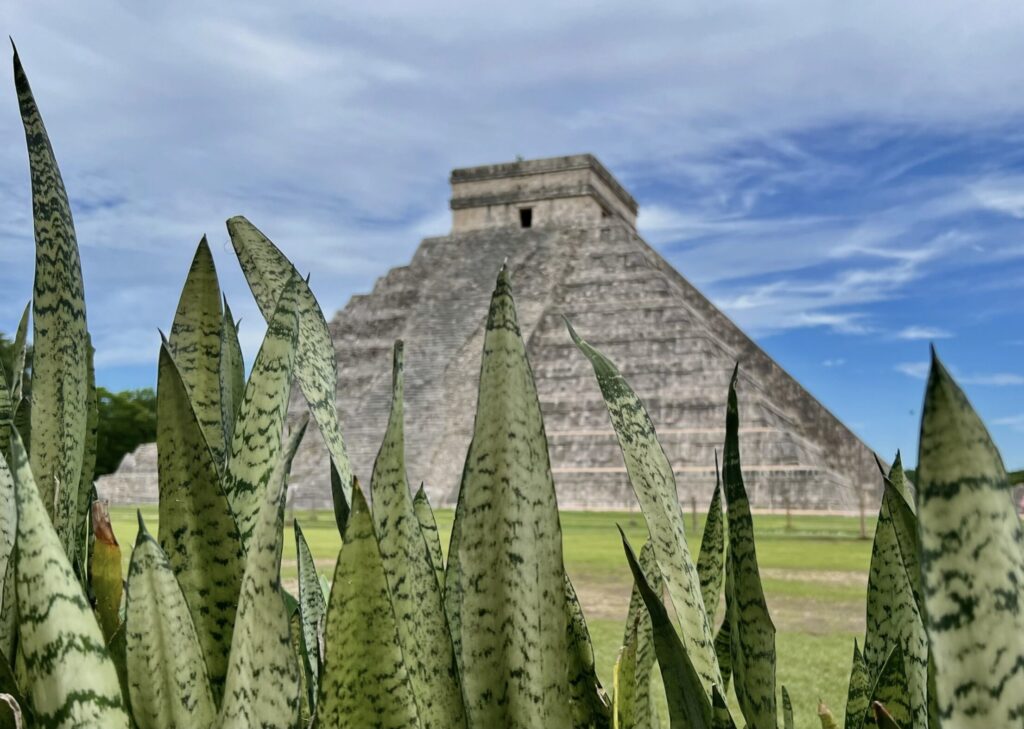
x=195, y=342
x=787, y=710
x=883, y=718
x=858, y=695
x=511, y=593
x=453, y=582
x=198, y=533
x=428, y=526
x=117, y=647
x=339, y=497
x=711, y=559
x=23, y=423
x=256, y=441
x=415, y=595
x=6, y=416
x=8, y=533
x=20, y=353
x=232, y=373
x=107, y=582
x=752, y=631
x=312, y=606
x=14, y=705
x=723, y=648
x=720, y=716
x=307, y=698
x=71, y=679
x=263, y=686
x=893, y=617
x=168, y=683
x=903, y=521
x=59, y=336
x=655, y=486
x=624, y=706
x=364, y=681
x=269, y=272
x=890, y=689
x=85, y=489
x=639, y=640
x=688, y=706
x=825, y=716
x=591, y=707
x=972, y=560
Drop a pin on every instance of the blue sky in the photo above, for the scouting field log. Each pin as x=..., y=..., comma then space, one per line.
x=845, y=181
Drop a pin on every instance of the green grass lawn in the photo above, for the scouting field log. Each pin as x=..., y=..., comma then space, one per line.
x=814, y=574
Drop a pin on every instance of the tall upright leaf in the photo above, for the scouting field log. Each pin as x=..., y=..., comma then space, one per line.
x=6, y=415
x=972, y=560
x=168, y=681
x=197, y=527
x=428, y=526
x=195, y=342
x=71, y=679
x=60, y=343
x=787, y=710
x=688, y=706
x=858, y=695
x=364, y=681
x=453, y=581
x=893, y=618
x=711, y=559
x=256, y=441
x=8, y=532
x=753, y=633
x=312, y=606
x=720, y=716
x=655, y=486
x=416, y=596
x=232, y=373
x=20, y=352
x=638, y=640
x=92, y=423
x=263, y=686
x=511, y=592
x=890, y=690
x=591, y=706
x=268, y=272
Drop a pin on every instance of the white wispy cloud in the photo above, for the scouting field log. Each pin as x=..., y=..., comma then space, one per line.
x=833, y=362
x=922, y=332
x=1014, y=422
x=919, y=371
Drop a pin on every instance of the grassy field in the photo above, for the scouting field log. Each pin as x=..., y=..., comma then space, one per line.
x=814, y=574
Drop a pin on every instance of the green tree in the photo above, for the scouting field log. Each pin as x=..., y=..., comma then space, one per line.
x=126, y=420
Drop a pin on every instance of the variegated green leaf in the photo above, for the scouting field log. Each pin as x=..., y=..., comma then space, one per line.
x=711, y=559
x=364, y=682
x=72, y=681
x=903, y=521
x=8, y=532
x=624, y=705
x=720, y=716
x=60, y=337
x=86, y=489
x=195, y=343
x=268, y=272
x=972, y=560
x=858, y=696
x=655, y=486
x=883, y=718
x=256, y=441
x=723, y=647
x=312, y=606
x=6, y=416
x=17, y=373
x=591, y=706
x=893, y=618
x=415, y=595
x=752, y=630
x=688, y=706
x=453, y=583
x=232, y=374
x=787, y=710
x=511, y=574
x=263, y=686
x=428, y=526
x=169, y=685
x=197, y=528
x=639, y=640
x=339, y=499
x=890, y=690
x=307, y=699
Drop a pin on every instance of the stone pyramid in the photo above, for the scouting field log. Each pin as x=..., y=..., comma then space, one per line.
x=568, y=232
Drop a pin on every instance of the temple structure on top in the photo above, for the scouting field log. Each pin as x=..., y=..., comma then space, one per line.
x=568, y=231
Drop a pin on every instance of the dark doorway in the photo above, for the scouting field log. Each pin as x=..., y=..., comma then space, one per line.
x=525, y=217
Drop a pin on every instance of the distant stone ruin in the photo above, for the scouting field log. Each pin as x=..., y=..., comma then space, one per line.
x=568, y=231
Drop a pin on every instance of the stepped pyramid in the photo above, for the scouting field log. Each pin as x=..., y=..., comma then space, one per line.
x=568, y=232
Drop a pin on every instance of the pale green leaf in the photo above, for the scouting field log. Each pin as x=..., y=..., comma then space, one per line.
x=858, y=695
x=232, y=373
x=453, y=579
x=263, y=686
x=591, y=706
x=428, y=526
x=85, y=489
x=890, y=690
x=307, y=696
x=787, y=710
x=71, y=679
x=639, y=640
x=197, y=528
x=752, y=631
x=312, y=606
x=195, y=342
x=720, y=716
x=711, y=559
x=17, y=374
x=256, y=441
x=972, y=561
x=415, y=595
x=364, y=682
x=168, y=682
x=511, y=592
x=655, y=486
x=60, y=336
x=268, y=272
x=8, y=532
